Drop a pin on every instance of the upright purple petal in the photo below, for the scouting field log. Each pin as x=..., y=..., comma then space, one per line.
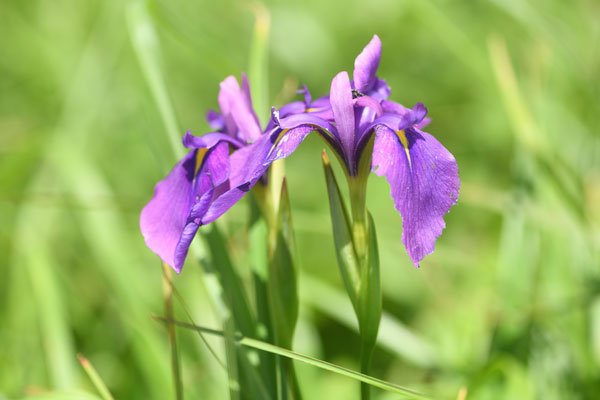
x=424, y=182
x=343, y=112
x=163, y=219
x=366, y=64
x=236, y=106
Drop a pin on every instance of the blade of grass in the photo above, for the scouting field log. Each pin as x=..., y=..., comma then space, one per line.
x=172, y=333
x=95, y=377
x=258, y=66
x=260, y=345
x=145, y=43
x=393, y=335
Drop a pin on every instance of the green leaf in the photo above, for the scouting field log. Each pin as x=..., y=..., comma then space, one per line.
x=259, y=345
x=233, y=293
x=147, y=48
x=258, y=68
x=342, y=235
x=370, y=291
x=282, y=275
x=95, y=377
x=258, y=238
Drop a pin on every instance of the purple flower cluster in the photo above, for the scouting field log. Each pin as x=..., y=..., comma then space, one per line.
x=222, y=166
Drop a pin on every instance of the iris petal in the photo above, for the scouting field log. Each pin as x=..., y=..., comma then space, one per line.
x=424, y=182
x=366, y=64
x=343, y=112
x=163, y=219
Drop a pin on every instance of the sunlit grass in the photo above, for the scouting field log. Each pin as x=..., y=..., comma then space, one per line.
x=90, y=113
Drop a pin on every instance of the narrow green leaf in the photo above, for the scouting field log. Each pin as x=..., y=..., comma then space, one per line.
x=172, y=334
x=95, y=377
x=147, y=48
x=258, y=238
x=394, y=336
x=233, y=293
x=257, y=344
x=282, y=275
x=342, y=234
x=258, y=68
x=370, y=291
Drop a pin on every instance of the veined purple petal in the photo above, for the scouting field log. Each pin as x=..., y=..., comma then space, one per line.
x=366, y=64
x=424, y=182
x=171, y=218
x=164, y=217
x=286, y=141
x=343, y=112
x=208, y=140
x=306, y=123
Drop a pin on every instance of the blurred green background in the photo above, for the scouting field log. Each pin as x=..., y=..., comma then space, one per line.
x=508, y=307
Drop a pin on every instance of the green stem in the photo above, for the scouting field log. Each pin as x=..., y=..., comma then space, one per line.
x=358, y=205
x=366, y=352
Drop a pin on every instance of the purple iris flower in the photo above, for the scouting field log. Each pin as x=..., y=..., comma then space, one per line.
x=423, y=174
x=208, y=180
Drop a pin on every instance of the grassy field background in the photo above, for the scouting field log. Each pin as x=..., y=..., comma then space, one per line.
x=508, y=307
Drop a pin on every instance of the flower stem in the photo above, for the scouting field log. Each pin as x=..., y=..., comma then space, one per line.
x=358, y=201
x=366, y=352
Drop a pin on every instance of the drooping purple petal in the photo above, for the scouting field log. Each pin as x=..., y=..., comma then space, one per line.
x=298, y=126
x=343, y=112
x=286, y=141
x=424, y=182
x=366, y=64
x=247, y=167
x=211, y=180
x=163, y=219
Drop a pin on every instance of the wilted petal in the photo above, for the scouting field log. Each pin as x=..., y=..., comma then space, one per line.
x=424, y=182
x=366, y=64
x=163, y=219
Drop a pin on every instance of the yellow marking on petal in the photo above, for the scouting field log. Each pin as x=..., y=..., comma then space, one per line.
x=200, y=154
x=312, y=109
x=402, y=136
x=280, y=136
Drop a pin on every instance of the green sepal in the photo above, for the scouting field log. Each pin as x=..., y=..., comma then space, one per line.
x=342, y=236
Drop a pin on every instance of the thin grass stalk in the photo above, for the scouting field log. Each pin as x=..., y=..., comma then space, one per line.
x=95, y=377
x=260, y=345
x=171, y=332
